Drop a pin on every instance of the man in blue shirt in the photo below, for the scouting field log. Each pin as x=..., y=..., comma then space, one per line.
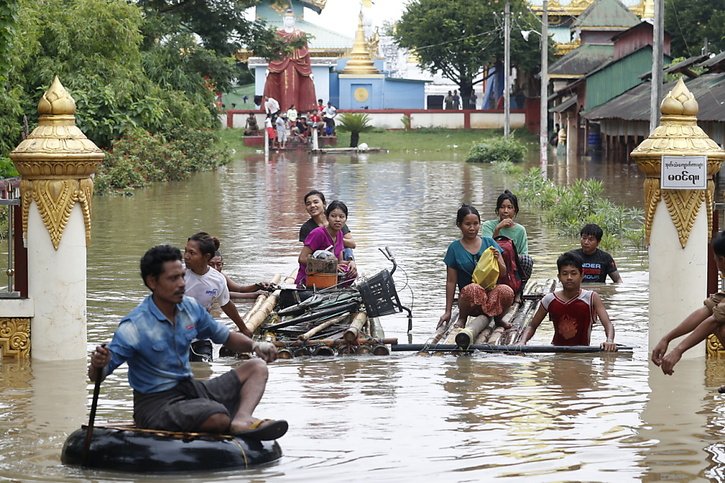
x=154, y=341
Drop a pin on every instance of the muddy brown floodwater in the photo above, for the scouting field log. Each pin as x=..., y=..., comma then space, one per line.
x=402, y=417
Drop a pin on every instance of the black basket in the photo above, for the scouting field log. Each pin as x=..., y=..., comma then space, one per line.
x=379, y=295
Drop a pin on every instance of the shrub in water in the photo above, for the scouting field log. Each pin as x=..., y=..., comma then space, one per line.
x=139, y=158
x=497, y=150
x=569, y=208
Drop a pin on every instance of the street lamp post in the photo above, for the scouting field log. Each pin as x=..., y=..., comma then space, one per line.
x=507, y=70
x=544, y=104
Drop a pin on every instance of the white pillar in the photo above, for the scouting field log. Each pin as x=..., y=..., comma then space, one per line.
x=677, y=276
x=56, y=162
x=58, y=286
x=676, y=218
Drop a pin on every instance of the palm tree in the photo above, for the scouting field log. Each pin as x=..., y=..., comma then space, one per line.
x=354, y=123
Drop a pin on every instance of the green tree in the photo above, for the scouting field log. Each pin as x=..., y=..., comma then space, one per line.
x=222, y=26
x=692, y=22
x=10, y=94
x=460, y=37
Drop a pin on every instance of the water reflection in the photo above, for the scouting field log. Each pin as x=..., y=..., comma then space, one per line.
x=403, y=417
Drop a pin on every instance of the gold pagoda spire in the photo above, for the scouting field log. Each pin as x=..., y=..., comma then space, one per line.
x=360, y=61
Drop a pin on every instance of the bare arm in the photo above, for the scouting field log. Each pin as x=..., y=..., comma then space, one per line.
x=608, y=345
x=304, y=254
x=531, y=327
x=615, y=276
x=239, y=291
x=686, y=326
x=501, y=263
x=348, y=240
x=451, y=282
x=231, y=310
x=505, y=223
x=699, y=334
x=239, y=342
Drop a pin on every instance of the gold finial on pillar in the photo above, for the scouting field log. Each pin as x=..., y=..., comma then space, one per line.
x=55, y=163
x=360, y=61
x=677, y=135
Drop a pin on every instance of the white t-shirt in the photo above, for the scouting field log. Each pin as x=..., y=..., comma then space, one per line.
x=210, y=290
x=271, y=105
x=329, y=112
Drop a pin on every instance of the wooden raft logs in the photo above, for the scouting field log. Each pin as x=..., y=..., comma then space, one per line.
x=358, y=321
x=473, y=328
x=482, y=329
x=260, y=315
x=324, y=325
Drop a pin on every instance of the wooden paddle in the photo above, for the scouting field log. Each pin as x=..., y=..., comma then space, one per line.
x=92, y=418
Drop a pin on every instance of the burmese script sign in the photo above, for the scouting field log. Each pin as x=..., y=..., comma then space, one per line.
x=684, y=173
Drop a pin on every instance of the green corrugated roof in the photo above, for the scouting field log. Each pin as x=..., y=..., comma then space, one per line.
x=634, y=104
x=582, y=60
x=605, y=14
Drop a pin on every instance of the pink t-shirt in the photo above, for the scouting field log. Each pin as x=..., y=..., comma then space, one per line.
x=320, y=239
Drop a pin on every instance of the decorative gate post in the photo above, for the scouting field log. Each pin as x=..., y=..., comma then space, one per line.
x=679, y=161
x=55, y=163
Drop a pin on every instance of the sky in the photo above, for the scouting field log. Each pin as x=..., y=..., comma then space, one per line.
x=341, y=15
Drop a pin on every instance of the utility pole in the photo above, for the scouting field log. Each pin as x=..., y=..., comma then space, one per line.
x=507, y=71
x=544, y=77
x=658, y=40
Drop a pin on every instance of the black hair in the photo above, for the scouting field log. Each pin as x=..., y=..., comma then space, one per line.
x=208, y=244
x=152, y=262
x=464, y=211
x=594, y=230
x=718, y=244
x=569, y=259
x=507, y=195
x=315, y=193
x=336, y=204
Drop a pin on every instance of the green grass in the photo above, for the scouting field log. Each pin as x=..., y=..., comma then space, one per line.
x=416, y=140
x=233, y=139
x=234, y=98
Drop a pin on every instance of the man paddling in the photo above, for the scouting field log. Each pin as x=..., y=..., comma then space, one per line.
x=154, y=341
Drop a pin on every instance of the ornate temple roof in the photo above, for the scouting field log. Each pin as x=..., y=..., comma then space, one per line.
x=606, y=15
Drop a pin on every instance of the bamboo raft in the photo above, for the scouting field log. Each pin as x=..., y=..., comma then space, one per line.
x=481, y=332
x=327, y=322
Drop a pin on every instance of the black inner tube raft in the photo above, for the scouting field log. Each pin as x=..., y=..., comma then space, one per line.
x=125, y=448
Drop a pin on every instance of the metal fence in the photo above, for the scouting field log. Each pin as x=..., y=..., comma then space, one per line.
x=11, y=241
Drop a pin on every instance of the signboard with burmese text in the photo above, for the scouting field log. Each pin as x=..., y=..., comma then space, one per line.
x=684, y=173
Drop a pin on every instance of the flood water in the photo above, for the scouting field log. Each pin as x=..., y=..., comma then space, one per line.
x=402, y=417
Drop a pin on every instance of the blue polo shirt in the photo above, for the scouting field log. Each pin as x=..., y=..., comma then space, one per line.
x=157, y=351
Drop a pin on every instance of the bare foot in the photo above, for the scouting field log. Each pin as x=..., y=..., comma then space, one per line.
x=239, y=425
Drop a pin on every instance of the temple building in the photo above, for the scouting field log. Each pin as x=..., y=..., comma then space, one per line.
x=348, y=72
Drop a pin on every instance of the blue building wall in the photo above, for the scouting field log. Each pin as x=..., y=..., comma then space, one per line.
x=369, y=90
x=404, y=94
x=334, y=89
